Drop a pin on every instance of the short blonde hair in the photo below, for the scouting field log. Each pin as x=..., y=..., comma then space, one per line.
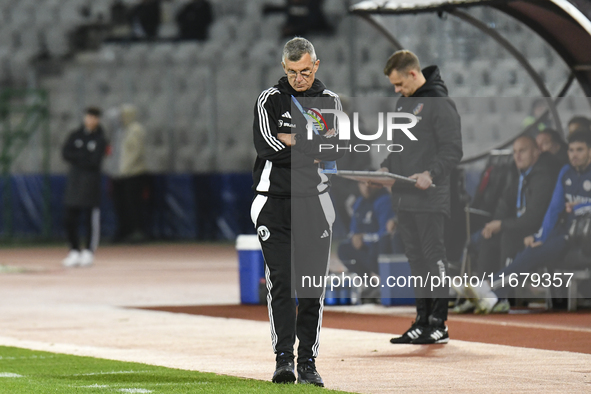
x=402, y=60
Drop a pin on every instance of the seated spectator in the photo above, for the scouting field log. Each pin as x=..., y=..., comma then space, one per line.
x=372, y=231
x=118, y=12
x=499, y=170
x=303, y=17
x=344, y=192
x=551, y=141
x=548, y=247
x=193, y=20
x=538, y=114
x=579, y=123
x=521, y=207
x=145, y=19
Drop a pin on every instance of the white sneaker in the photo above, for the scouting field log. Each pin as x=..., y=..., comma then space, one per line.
x=485, y=298
x=485, y=305
x=72, y=260
x=86, y=258
x=465, y=307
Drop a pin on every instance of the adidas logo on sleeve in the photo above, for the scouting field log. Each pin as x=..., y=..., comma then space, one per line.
x=286, y=115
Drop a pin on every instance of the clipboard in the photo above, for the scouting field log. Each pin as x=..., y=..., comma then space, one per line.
x=384, y=178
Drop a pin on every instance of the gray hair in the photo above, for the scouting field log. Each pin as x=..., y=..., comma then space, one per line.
x=295, y=48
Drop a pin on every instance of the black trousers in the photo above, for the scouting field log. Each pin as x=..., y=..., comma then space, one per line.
x=295, y=236
x=92, y=222
x=495, y=251
x=127, y=198
x=422, y=235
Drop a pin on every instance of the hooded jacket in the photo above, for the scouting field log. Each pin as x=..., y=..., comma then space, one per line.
x=84, y=151
x=438, y=148
x=281, y=171
x=133, y=152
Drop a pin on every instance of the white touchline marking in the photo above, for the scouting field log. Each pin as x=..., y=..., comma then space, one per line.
x=135, y=391
x=177, y=384
x=95, y=386
x=107, y=373
x=10, y=375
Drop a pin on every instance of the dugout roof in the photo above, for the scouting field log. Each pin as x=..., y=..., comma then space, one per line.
x=562, y=25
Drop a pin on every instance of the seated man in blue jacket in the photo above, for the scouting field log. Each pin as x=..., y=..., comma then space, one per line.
x=548, y=247
x=372, y=226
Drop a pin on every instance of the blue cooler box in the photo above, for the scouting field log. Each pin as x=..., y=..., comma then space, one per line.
x=395, y=265
x=251, y=267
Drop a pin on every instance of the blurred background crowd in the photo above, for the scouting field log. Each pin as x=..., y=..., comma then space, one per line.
x=177, y=80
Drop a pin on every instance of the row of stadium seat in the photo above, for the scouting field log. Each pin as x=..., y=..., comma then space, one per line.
x=179, y=88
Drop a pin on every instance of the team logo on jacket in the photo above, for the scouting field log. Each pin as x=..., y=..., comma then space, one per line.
x=568, y=182
x=91, y=145
x=418, y=109
x=317, y=118
x=263, y=233
x=587, y=185
x=281, y=123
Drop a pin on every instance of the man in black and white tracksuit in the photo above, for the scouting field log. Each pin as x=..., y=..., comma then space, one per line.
x=84, y=151
x=292, y=210
x=421, y=210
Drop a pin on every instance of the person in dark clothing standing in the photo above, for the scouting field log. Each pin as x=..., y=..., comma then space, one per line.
x=421, y=211
x=292, y=210
x=84, y=151
x=194, y=19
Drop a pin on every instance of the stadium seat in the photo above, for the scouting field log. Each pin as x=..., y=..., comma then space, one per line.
x=270, y=27
x=160, y=53
x=185, y=53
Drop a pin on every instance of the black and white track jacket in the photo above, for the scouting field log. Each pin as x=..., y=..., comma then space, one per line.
x=281, y=171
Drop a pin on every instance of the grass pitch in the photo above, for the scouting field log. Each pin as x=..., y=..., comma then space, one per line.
x=27, y=371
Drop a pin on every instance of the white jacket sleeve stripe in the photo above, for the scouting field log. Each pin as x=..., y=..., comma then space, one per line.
x=337, y=104
x=264, y=121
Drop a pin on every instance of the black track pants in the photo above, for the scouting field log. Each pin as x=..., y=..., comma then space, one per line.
x=92, y=220
x=297, y=230
x=422, y=235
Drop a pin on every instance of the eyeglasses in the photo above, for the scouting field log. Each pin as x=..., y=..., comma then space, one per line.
x=305, y=73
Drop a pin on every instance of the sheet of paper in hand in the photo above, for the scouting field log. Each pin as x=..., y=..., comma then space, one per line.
x=384, y=178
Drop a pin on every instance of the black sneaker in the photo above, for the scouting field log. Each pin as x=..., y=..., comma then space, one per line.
x=413, y=333
x=433, y=335
x=307, y=373
x=284, y=370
